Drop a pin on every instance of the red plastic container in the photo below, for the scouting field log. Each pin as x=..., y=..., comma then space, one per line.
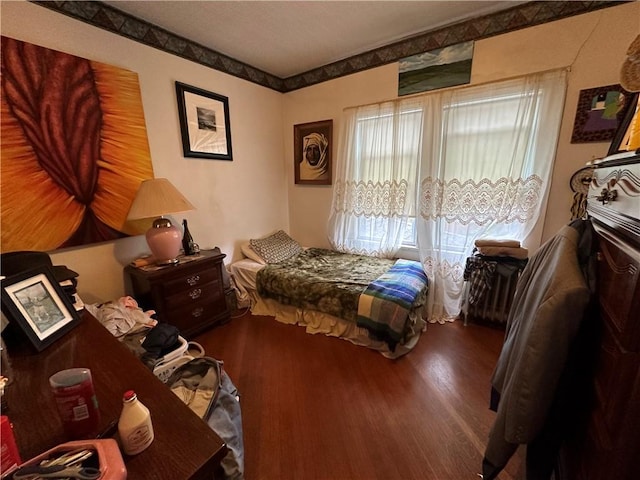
x=110, y=460
x=10, y=454
x=76, y=401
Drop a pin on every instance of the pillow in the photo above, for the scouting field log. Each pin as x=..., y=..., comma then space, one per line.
x=251, y=253
x=276, y=247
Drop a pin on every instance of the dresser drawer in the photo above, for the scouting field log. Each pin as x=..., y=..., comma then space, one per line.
x=619, y=289
x=197, y=294
x=615, y=376
x=613, y=197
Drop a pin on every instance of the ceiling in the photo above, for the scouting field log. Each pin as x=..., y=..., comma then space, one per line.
x=287, y=45
x=286, y=38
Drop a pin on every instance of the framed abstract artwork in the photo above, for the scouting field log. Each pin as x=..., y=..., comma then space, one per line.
x=36, y=303
x=312, y=145
x=74, y=149
x=204, y=123
x=599, y=113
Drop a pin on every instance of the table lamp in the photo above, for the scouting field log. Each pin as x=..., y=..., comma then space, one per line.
x=157, y=197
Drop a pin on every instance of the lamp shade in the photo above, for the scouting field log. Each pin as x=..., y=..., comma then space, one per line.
x=157, y=197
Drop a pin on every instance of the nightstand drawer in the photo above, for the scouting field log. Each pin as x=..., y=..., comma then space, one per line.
x=197, y=294
x=190, y=281
x=191, y=319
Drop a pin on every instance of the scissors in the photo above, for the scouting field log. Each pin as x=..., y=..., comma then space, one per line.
x=57, y=471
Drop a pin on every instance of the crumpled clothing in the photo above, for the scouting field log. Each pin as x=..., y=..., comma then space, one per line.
x=479, y=273
x=204, y=386
x=122, y=316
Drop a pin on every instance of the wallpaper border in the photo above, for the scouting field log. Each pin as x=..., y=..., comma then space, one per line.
x=520, y=16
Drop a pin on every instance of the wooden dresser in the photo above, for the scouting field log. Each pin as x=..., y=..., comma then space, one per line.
x=189, y=295
x=610, y=447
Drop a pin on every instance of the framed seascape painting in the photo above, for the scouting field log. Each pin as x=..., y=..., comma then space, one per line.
x=36, y=303
x=204, y=123
x=312, y=145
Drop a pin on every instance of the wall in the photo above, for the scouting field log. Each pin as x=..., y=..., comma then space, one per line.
x=593, y=44
x=255, y=194
x=234, y=200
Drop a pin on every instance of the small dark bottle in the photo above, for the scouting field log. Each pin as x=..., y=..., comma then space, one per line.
x=187, y=240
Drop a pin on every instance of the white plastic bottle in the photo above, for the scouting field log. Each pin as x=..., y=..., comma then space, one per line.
x=134, y=426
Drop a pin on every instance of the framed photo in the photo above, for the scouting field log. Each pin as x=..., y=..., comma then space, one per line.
x=36, y=303
x=204, y=123
x=599, y=113
x=312, y=145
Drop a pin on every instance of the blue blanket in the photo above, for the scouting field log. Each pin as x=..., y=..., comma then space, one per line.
x=383, y=308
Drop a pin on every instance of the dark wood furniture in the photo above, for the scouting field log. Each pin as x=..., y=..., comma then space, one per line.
x=189, y=295
x=184, y=446
x=610, y=448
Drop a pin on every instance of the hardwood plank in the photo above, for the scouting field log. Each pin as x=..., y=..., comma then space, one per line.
x=316, y=407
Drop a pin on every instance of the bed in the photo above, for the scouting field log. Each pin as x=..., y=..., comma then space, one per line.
x=373, y=302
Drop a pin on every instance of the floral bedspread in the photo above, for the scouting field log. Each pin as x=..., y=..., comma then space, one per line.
x=324, y=280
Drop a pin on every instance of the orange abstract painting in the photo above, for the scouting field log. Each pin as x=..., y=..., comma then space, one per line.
x=73, y=149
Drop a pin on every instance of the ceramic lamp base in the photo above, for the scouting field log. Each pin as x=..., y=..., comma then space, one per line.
x=165, y=242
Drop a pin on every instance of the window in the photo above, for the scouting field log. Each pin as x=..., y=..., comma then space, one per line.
x=473, y=160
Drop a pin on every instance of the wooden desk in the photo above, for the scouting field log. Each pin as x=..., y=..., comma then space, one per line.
x=184, y=447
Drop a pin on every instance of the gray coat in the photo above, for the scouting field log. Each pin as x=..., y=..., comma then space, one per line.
x=548, y=307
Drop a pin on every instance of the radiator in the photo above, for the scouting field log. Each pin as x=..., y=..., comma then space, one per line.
x=493, y=308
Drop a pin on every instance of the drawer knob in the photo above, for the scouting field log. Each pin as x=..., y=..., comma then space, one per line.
x=197, y=312
x=607, y=196
x=193, y=280
x=195, y=293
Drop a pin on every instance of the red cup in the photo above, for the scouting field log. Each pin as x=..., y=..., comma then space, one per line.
x=77, y=402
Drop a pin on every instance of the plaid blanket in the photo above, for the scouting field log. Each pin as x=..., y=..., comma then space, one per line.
x=383, y=308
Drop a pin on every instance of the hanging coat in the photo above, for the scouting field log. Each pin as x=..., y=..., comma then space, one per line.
x=547, y=311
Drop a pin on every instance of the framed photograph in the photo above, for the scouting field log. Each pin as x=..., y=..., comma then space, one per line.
x=204, y=123
x=312, y=145
x=599, y=113
x=36, y=303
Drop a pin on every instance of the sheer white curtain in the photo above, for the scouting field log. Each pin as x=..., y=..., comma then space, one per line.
x=454, y=164
x=376, y=177
x=485, y=170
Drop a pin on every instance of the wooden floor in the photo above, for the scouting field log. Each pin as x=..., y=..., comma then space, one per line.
x=317, y=407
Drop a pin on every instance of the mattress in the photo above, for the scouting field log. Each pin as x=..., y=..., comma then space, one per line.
x=245, y=272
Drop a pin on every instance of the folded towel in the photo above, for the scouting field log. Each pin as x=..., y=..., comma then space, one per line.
x=496, y=242
x=520, y=253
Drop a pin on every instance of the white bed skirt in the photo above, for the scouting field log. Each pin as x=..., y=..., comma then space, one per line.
x=317, y=322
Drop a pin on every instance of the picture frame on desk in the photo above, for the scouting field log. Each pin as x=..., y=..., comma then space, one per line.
x=35, y=302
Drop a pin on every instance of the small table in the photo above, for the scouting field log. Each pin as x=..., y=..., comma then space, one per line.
x=184, y=446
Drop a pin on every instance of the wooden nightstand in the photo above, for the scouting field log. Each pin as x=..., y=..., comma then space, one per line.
x=189, y=295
